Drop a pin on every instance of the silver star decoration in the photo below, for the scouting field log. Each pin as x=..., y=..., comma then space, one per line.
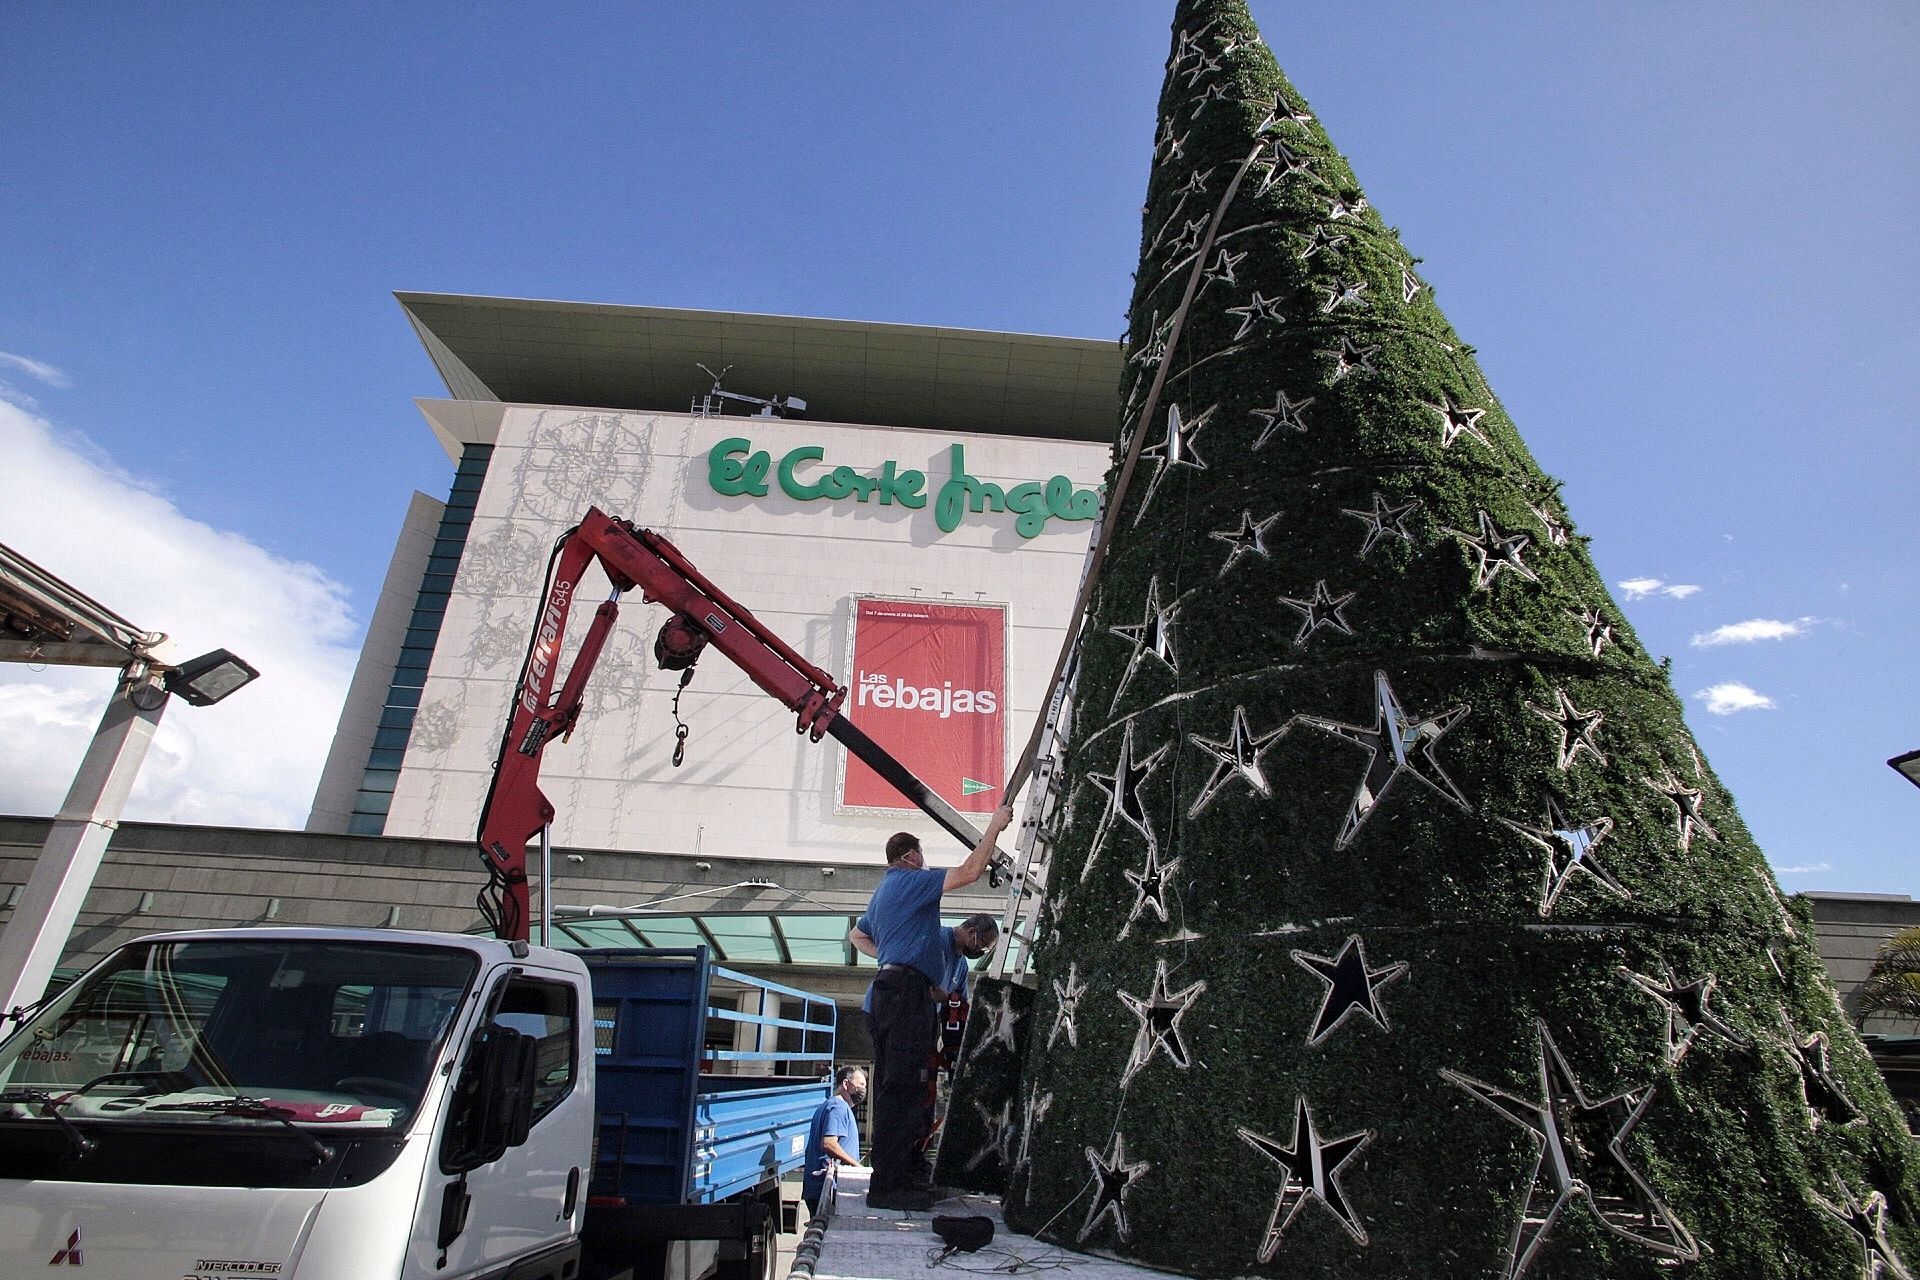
x=1187, y=45
x=1410, y=285
x=1203, y=66
x=1686, y=802
x=1175, y=449
x=1000, y=1130
x=1212, y=93
x=1196, y=183
x=1281, y=163
x=1188, y=238
x=1599, y=630
x=1122, y=789
x=1284, y=112
x=1005, y=1022
x=1396, y=744
x=1456, y=420
x=1352, y=358
x=1342, y=295
x=1317, y=611
x=1151, y=883
x=1221, y=270
x=1826, y=1100
x=1384, y=519
x=1159, y=1015
x=1155, y=348
x=1250, y=539
x=1555, y=529
x=1577, y=729
x=1309, y=1170
x=1261, y=308
x=1321, y=237
x=1570, y=851
x=1152, y=637
x=1068, y=995
x=1569, y=1164
x=1341, y=207
x=1112, y=1177
x=1868, y=1223
x=1495, y=552
x=1352, y=987
x=1236, y=759
x=1687, y=1008
x=1285, y=415
x=1168, y=145
x=1038, y=1104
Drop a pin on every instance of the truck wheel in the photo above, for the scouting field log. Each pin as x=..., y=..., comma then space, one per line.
x=763, y=1253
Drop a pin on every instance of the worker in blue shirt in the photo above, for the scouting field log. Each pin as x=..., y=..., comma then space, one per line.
x=901, y=929
x=833, y=1136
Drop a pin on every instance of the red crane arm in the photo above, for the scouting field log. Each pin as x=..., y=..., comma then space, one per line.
x=702, y=614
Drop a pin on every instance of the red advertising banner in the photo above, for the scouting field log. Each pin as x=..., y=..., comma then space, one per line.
x=930, y=685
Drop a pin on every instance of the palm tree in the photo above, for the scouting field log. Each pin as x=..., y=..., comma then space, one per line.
x=1893, y=984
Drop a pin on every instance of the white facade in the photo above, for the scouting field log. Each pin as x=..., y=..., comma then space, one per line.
x=750, y=786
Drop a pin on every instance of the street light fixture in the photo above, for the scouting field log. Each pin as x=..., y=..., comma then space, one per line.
x=208, y=678
x=1907, y=766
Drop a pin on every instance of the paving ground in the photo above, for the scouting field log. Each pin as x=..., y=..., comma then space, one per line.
x=858, y=1243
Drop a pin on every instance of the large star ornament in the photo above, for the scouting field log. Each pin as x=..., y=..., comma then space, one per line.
x=1152, y=637
x=1577, y=728
x=1319, y=610
x=1496, y=552
x=1352, y=358
x=1159, y=1014
x=1384, y=519
x=1236, y=759
x=1113, y=1176
x=1686, y=802
x=1151, y=885
x=1000, y=1135
x=1687, y=1008
x=1309, y=1170
x=1250, y=539
x=1868, y=1223
x=1122, y=788
x=1457, y=420
x=1397, y=743
x=1067, y=1007
x=1258, y=309
x=1599, y=631
x=1003, y=1025
x=1573, y=1132
x=1175, y=449
x=1352, y=987
x=1826, y=1101
x=1285, y=415
x=1570, y=851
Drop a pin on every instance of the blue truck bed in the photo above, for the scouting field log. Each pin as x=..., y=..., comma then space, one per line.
x=705, y=1078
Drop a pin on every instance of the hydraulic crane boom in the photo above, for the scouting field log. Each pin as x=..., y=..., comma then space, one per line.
x=701, y=614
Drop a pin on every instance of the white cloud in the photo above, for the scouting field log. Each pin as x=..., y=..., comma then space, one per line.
x=1725, y=699
x=38, y=370
x=1640, y=588
x=250, y=761
x=1804, y=869
x=1750, y=631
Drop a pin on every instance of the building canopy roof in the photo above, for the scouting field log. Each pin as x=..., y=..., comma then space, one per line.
x=525, y=351
x=734, y=937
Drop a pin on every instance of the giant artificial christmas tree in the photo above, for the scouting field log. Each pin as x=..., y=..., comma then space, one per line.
x=1396, y=927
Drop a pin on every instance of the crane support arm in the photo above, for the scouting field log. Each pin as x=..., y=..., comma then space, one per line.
x=700, y=614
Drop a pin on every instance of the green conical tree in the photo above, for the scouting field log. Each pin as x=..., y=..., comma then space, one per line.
x=1397, y=926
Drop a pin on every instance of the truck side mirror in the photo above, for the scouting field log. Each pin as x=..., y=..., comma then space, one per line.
x=493, y=1105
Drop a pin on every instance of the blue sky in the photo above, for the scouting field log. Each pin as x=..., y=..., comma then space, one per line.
x=1681, y=237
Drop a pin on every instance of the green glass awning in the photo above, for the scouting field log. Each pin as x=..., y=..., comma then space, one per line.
x=815, y=938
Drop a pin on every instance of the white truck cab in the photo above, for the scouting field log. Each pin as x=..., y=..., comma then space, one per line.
x=307, y=1104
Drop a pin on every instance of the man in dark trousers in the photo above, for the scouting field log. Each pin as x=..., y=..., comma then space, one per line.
x=901, y=929
x=833, y=1137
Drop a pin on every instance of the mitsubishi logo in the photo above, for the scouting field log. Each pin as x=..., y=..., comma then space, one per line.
x=71, y=1254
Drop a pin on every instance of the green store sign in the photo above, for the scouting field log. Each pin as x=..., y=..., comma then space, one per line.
x=736, y=469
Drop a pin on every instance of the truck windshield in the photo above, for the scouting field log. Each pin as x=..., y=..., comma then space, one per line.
x=336, y=1033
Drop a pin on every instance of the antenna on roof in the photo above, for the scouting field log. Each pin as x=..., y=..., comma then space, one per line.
x=712, y=403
